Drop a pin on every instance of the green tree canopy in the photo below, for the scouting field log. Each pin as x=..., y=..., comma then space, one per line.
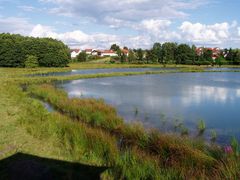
x=131, y=56
x=115, y=47
x=207, y=54
x=169, y=50
x=184, y=54
x=31, y=61
x=82, y=57
x=139, y=54
x=49, y=52
x=157, y=53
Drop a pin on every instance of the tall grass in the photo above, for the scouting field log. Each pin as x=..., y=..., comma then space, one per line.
x=186, y=157
x=201, y=127
x=83, y=143
x=94, y=112
x=79, y=141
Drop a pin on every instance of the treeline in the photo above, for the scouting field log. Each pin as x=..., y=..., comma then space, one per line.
x=173, y=53
x=20, y=51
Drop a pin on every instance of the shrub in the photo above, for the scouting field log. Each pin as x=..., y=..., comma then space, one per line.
x=31, y=62
x=82, y=57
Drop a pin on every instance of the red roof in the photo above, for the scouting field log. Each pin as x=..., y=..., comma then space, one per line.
x=88, y=50
x=107, y=51
x=75, y=50
x=215, y=51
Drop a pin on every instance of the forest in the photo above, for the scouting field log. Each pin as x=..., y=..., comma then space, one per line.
x=20, y=51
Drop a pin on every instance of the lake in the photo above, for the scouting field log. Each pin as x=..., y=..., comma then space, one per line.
x=160, y=100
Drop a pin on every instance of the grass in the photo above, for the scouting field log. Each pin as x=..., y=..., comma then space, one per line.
x=168, y=150
x=201, y=127
x=89, y=131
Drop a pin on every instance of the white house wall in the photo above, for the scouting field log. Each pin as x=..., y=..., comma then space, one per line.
x=108, y=54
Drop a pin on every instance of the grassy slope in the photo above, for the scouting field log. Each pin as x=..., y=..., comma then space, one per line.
x=13, y=137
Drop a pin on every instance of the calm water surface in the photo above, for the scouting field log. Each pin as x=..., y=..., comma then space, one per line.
x=187, y=97
x=223, y=69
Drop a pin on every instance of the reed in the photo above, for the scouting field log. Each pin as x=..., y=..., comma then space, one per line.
x=201, y=127
x=213, y=135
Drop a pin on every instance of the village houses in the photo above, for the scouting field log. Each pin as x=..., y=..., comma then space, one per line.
x=95, y=52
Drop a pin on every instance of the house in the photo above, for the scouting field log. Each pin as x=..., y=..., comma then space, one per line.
x=75, y=53
x=88, y=51
x=125, y=51
x=110, y=53
x=215, y=51
x=95, y=52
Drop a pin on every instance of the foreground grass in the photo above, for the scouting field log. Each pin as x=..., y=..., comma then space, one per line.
x=89, y=131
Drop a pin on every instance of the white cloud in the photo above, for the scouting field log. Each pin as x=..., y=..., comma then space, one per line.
x=158, y=29
x=43, y=31
x=155, y=25
x=100, y=40
x=152, y=31
x=114, y=12
x=76, y=38
x=206, y=34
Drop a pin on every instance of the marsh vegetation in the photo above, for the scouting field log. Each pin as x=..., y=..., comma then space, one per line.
x=90, y=131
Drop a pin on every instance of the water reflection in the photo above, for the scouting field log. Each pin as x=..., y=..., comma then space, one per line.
x=214, y=97
x=204, y=93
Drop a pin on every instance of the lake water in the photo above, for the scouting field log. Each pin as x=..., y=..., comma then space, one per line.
x=222, y=69
x=99, y=71
x=158, y=100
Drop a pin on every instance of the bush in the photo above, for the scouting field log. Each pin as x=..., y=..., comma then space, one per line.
x=31, y=62
x=82, y=57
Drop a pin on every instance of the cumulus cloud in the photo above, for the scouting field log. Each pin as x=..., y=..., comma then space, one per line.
x=43, y=31
x=205, y=34
x=99, y=40
x=76, y=38
x=158, y=29
x=114, y=12
x=154, y=25
x=153, y=31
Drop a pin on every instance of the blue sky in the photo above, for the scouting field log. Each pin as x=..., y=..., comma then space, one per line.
x=132, y=23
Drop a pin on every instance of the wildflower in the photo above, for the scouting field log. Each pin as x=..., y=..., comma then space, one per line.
x=228, y=149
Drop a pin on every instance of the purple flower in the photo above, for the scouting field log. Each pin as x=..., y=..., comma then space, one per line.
x=228, y=149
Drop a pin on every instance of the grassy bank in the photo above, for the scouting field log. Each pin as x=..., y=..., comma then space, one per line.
x=90, y=132
x=188, y=158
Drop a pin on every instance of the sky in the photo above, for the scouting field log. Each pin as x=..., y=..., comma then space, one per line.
x=132, y=23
